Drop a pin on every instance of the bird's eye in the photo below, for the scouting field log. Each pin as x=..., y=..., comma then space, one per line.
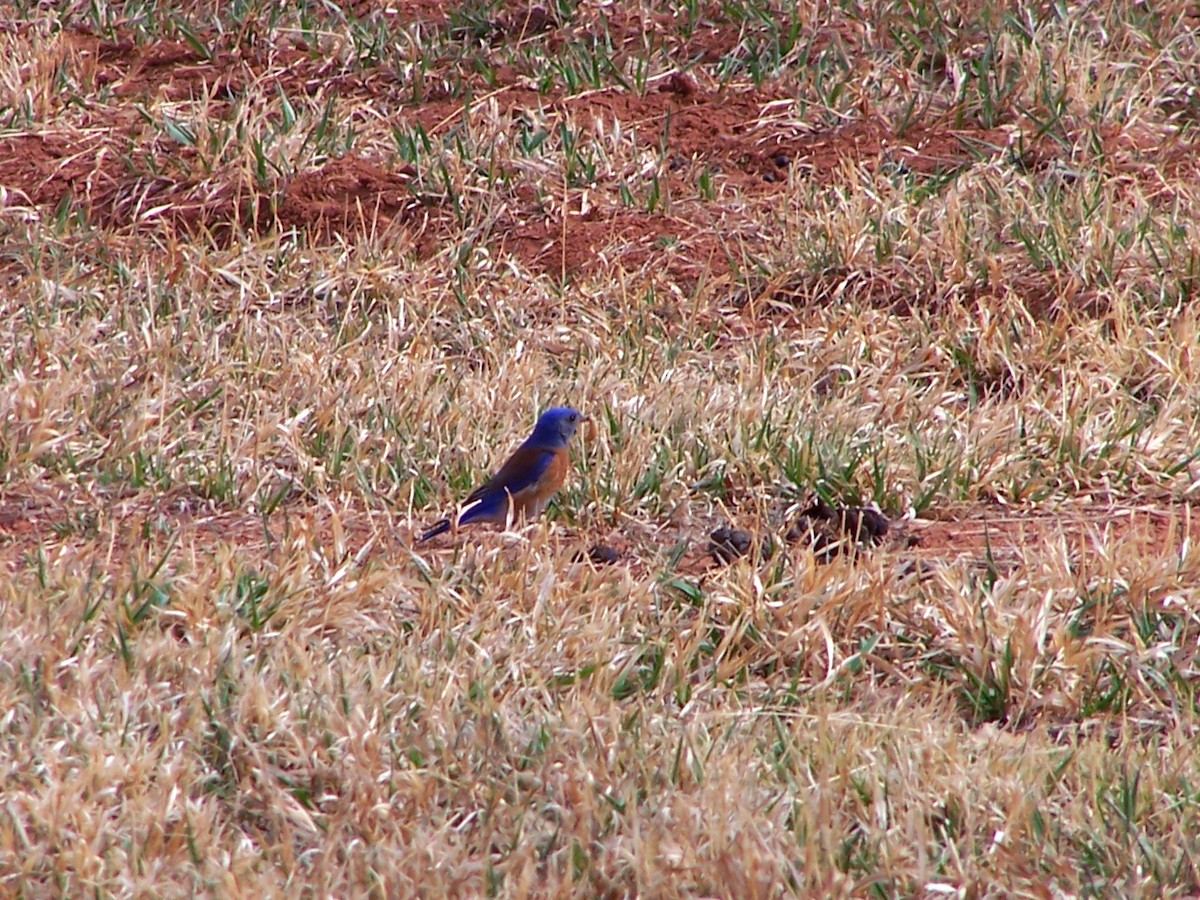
x=573, y=417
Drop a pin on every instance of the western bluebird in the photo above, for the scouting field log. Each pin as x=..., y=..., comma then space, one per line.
x=524, y=484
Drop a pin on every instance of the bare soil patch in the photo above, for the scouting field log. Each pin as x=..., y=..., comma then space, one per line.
x=990, y=536
x=749, y=141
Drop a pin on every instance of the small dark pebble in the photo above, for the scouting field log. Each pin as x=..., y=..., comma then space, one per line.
x=770, y=177
x=781, y=161
x=728, y=544
x=816, y=532
x=869, y=523
x=857, y=522
x=603, y=555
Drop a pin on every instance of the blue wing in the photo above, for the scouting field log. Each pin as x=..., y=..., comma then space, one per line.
x=523, y=470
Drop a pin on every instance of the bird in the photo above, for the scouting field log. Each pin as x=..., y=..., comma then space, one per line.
x=526, y=482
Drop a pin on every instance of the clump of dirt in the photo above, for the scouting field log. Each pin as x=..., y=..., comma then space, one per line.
x=832, y=531
x=727, y=544
x=46, y=169
x=348, y=195
x=603, y=555
x=829, y=531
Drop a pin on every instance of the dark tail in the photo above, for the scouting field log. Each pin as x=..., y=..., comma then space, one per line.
x=440, y=528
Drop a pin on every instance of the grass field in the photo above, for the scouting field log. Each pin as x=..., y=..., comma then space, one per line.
x=282, y=282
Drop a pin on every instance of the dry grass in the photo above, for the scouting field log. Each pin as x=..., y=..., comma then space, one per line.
x=276, y=295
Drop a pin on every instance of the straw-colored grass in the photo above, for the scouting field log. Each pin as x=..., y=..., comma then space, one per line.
x=281, y=283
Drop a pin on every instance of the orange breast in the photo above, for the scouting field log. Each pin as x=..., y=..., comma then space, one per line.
x=531, y=501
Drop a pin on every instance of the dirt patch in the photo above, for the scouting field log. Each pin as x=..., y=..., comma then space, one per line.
x=346, y=196
x=691, y=212
x=1043, y=293
x=32, y=522
x=176, y=71
x=1004, y=535
x=749, y=140
x=46, y=169
x=754, y=137
x=675, y=246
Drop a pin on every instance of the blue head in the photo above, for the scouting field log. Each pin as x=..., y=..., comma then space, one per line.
x=555, y=427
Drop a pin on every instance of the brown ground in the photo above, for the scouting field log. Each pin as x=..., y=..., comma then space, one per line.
x=740, y=134
x=997, y=536
x=747, y=137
